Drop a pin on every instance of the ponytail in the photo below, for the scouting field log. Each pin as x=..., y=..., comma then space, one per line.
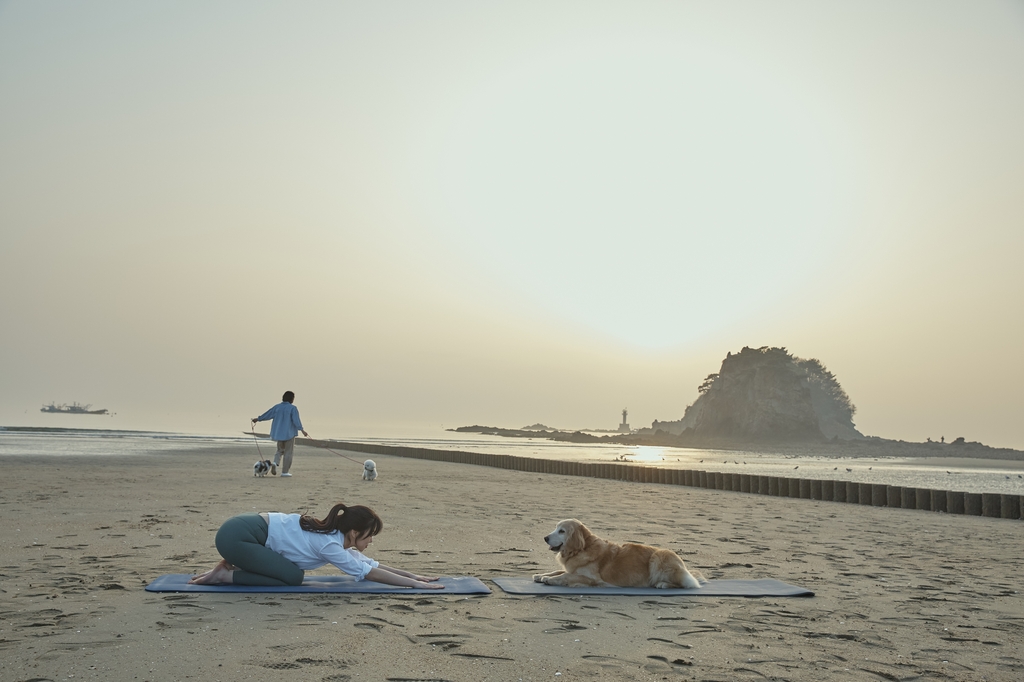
x=343, y=519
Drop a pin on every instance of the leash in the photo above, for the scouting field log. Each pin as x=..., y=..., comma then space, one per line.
x=256, y=440
x=253, y=431
x=345, y=456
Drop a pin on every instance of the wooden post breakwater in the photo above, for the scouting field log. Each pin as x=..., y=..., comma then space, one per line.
x=993, y=505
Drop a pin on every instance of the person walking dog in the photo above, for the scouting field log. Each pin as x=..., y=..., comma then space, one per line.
x=285, y=426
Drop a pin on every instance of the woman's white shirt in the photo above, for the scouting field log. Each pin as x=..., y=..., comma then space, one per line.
x=312, y=550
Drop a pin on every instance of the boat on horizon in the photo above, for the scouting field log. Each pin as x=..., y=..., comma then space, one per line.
x=73, y=408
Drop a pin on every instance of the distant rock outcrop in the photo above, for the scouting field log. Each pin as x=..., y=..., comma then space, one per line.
x=767, y=394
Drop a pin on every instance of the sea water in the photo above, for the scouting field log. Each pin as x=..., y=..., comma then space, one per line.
x=42, y=442
x=976, y=475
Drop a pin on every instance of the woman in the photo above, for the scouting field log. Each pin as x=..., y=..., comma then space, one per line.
x=277, y=549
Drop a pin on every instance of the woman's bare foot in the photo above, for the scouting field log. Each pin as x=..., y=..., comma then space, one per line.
x=221, y=574
x=207, y=573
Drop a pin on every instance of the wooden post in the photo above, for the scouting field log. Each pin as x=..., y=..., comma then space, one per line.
x=909, y=498
x=1010, y=506
x=893, y=496
x=924, y=499
x=804, y=488
x=815, y=489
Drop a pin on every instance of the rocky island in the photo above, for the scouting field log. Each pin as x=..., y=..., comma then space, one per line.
x=769, y=399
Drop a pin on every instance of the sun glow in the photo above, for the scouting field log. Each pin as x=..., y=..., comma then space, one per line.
x=647, y=453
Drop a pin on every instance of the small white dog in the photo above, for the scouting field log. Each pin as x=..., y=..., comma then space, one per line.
x=263, y=467
x=369, y=470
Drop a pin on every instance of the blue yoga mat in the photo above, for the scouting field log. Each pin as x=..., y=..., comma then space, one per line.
x=178, y=582
x=713, y=588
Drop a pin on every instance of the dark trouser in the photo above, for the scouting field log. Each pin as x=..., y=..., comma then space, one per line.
x=242, y=540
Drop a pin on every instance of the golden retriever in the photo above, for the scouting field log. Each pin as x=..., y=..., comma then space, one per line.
x=588, y=560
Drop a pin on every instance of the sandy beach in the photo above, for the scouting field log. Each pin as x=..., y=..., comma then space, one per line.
x=900, y=594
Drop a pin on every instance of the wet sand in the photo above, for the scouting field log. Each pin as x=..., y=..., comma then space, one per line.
x=900, y=594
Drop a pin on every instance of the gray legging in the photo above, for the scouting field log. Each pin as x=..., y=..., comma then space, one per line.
x=242, y=540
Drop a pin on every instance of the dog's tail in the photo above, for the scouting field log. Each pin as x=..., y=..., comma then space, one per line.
x=693, y=579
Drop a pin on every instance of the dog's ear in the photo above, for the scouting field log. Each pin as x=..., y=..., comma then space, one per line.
x=575, y=537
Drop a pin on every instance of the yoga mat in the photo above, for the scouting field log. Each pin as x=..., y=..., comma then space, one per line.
x=713, y=588
x=178, y=582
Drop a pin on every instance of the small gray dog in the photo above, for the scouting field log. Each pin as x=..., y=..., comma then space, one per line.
x=369, y=470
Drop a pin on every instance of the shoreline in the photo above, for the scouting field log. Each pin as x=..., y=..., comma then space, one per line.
x=869, y=446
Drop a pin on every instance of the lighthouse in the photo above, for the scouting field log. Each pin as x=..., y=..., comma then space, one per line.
x=624, y=426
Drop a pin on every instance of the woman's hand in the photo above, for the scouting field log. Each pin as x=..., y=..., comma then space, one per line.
x=383, y=574
x=424, y=578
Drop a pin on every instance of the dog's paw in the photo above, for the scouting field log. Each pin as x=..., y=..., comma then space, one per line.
x=538, y=578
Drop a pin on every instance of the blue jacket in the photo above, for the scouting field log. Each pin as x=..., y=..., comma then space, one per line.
x=286, y=421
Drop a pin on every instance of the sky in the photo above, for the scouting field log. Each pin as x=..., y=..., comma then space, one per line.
x=418, y=216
